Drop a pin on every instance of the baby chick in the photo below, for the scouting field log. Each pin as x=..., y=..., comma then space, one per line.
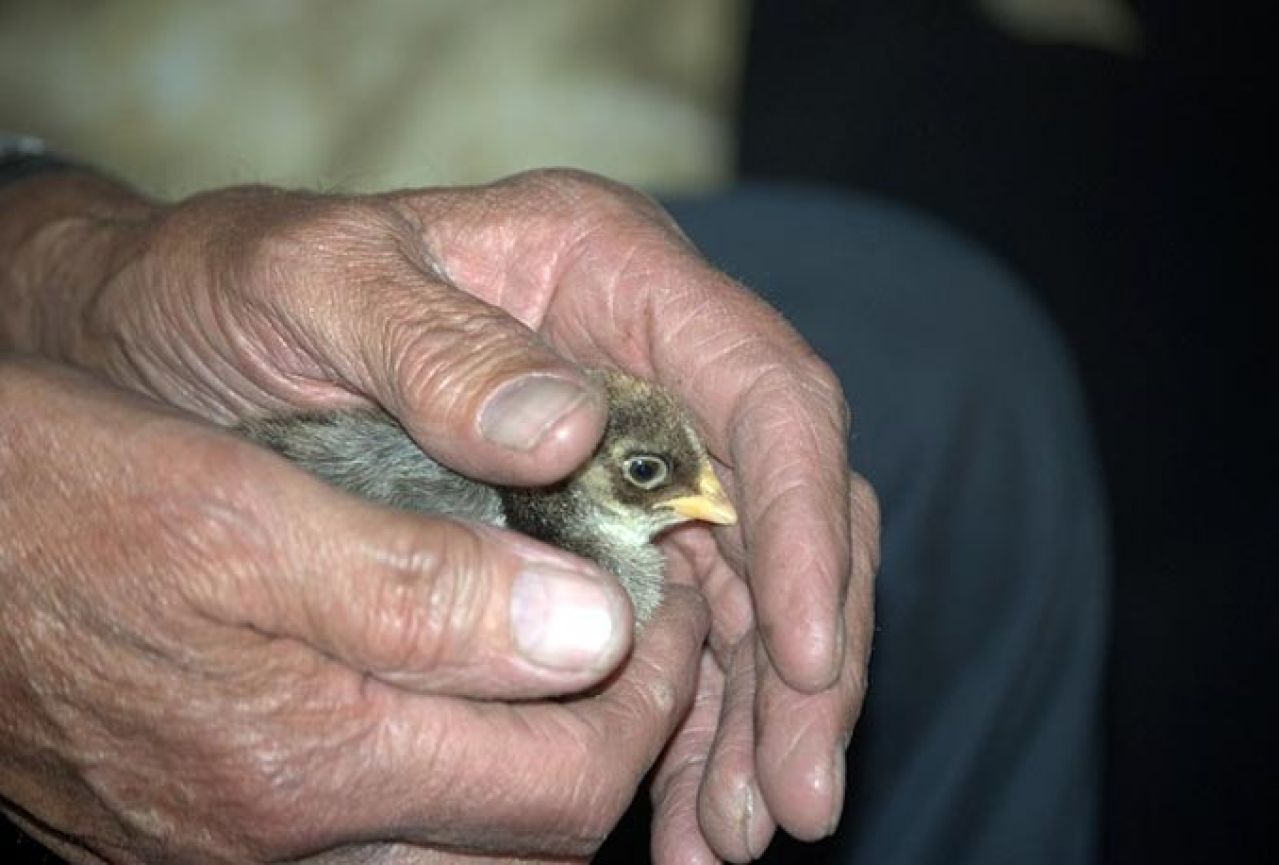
x=649, y=473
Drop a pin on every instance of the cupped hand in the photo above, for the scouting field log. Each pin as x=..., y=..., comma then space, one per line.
x=603, y=275
x=208, y=656
x=463, y=311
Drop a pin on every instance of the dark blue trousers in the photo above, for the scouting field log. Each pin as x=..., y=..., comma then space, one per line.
x=980, y=739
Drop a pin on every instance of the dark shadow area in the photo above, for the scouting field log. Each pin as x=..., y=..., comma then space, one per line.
x=1125, y=191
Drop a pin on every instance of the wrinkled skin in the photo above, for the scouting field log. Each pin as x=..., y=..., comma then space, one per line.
x=279, y=658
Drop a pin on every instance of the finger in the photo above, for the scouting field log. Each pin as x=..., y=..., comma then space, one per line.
x=771, y=410
x=541, y=778
x=787, y=448
x=476, y=388
x=801, y=738
x=677, y=834
x=801, y=762
x=694, y=550
x=430, y=605
x=733, y=813
x=656, y=689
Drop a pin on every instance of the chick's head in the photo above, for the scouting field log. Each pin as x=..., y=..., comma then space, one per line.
x=649, y=473
x=651, y=470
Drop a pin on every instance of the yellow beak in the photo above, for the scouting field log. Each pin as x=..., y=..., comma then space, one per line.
x=710, y=505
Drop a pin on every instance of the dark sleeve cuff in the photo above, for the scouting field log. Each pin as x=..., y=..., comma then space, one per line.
x=23, y=157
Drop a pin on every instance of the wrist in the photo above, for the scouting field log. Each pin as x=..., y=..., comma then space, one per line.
x=63, y=234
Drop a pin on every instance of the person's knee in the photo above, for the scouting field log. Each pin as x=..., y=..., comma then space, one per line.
x=886, y=294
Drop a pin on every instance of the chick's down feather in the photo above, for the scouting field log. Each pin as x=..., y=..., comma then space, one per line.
x=650, y=472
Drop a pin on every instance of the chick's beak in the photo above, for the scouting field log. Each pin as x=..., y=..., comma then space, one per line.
x=710, y=505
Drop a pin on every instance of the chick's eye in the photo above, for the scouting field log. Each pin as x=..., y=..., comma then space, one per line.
x=646, y=472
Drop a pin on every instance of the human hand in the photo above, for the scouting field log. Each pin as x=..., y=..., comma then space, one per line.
x=621, y=286
x=207, y=655
x=255, y=300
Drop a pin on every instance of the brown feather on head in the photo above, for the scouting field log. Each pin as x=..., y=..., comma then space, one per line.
x=654, y=459
x=650, y=472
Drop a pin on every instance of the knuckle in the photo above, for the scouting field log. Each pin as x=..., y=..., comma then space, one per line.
x=432, y=603
x=579, y=194
x=820, y=379
x=262, y=231
x=283, y=229
x=426, y=362
x=866, y=523
x=213, y=489
x=565, y=184
x=211, y=523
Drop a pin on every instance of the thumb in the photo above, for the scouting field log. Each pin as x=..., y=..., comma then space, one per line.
x=475, y=387
x=431, y=605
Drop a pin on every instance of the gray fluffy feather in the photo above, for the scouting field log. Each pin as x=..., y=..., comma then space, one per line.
x=368, y=453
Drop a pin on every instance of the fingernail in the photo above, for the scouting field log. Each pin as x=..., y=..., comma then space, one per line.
x=757, y=829
x=523, y=411
x=820, y=773
x=841, y=648
x=835, y=656
x=561, y=620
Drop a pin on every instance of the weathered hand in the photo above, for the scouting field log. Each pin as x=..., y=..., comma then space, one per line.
x=206, y=655
x=603, y=275
x=248, y=300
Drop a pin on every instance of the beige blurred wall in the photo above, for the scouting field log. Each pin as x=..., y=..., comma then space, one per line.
x=178, y=96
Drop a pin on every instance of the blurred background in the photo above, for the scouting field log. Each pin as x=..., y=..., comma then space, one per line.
x=370, y=95
x=1110, y=152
